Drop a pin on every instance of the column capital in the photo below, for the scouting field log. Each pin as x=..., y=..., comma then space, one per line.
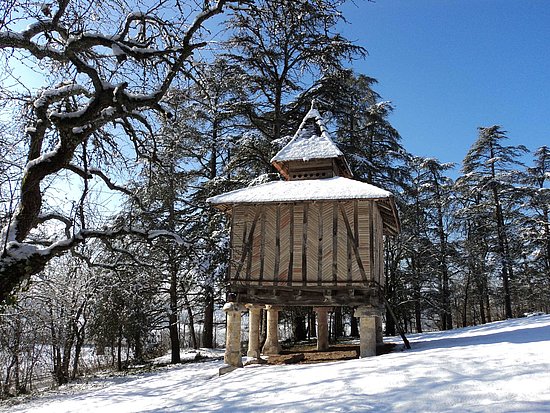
x=323, y=309
x=255, y=306
x=273, y=307
x=367, y=311
x=230, y=307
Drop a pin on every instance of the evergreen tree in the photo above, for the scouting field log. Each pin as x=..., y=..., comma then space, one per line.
x=437, y=188
x=283, y=45
x=372, y=145
x=535, y=232
x=488, y=170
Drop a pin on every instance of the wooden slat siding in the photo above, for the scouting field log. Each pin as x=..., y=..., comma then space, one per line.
x=277, y=244
x=241, y=245
x=363, y=239
x=271, y=231
x=320, y=245
x=356, y=222
x=262, y=245
x=304, y=242
x=231, y=241
x=239, y=238
x=349, y=249
x=236, y=241
x=291, y=245
x=380, y=246
x=312, y=258
x=343, y=243
x=374, y=250
x=285, y=249
x=250, y=244
x=353, y=243
x=327, y=242
x=335, y=242
x=298, y=241
x=372, y=241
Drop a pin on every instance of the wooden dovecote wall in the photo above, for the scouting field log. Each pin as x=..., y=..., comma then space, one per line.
x=315, y=238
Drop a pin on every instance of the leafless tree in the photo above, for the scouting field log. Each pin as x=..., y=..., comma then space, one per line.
x=104, y=68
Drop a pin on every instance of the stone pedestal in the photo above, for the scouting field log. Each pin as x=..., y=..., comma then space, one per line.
x=322, y=327
x=272, y=345
x=379, y=331
x=232, y=355
x=367, y=330
x=254, y=316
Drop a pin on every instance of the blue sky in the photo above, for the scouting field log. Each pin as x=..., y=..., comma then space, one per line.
x=450, y=66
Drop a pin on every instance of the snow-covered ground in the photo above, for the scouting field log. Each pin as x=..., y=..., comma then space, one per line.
x=498, y=367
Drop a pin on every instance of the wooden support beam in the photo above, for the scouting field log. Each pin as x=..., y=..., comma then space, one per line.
x=354, y=244
x=247, y=248
x=277, y=244
x=291, y=245
x=320, y=247
x=335, y=242
x=262, y=244
x=304, y=242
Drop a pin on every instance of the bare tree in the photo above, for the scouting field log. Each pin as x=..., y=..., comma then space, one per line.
x=106, y=67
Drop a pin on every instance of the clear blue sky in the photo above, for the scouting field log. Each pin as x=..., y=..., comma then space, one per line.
x=450, y=66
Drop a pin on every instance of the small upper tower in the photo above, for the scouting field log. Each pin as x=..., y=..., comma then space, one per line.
x=311, y=153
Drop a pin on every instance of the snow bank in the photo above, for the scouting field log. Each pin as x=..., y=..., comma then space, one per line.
x=498, y=367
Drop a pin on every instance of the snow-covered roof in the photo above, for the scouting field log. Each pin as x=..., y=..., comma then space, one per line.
x=337, y=188
x=311, y=141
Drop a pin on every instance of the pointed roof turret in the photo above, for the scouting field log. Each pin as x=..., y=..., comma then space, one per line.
x=309, y=149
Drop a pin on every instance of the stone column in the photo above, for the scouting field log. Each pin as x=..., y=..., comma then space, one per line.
x=322, y=328
x=232, y=355
x=272, y=345
x=254, y=316
x=379, y=332
x=367, y=330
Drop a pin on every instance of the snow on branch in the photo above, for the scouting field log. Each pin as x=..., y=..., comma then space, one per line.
x=22, y=256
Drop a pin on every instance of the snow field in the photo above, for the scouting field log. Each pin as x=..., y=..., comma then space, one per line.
x=498, y=367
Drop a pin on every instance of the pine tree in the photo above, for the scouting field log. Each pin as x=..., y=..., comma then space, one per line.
x=487, y=169
x=437, y=187
x=372, y=145
x=283, y=46
x=534, y=232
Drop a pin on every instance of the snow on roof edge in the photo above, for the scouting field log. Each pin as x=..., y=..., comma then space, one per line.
x=329, y=189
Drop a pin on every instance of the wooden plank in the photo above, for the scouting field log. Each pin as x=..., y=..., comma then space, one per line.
x=249, y=242
x=371, y=238
x=291, y=245
x=363, y=234
x=269, y=243
x=320, y=246
x=231, y=241
x=353, y=242
x=262, y=244
x=349, y=250
x=242, y=256
x=304, y=243
x=277, y=244
x=356, y=236
x=335, y=242
x=356, y=222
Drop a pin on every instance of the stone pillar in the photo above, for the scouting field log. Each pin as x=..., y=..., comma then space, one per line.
x=322, y=328
x=232, y=355
x=367, y=330
x=379, y=332
x=254, y=316
x=272, y=345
